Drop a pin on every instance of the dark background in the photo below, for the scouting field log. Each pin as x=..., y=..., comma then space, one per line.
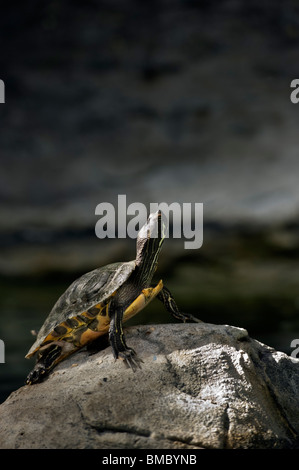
x=174, y=101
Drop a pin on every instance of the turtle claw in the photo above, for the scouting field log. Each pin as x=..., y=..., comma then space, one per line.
x=190, y=317
x=130, y=359
x=36, y=375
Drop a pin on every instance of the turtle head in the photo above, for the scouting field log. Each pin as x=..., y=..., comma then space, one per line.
x=149, y=243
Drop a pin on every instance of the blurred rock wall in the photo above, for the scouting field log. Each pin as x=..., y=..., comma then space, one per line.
x=183, y=101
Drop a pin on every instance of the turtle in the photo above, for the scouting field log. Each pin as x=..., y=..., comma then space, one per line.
x=100, y=301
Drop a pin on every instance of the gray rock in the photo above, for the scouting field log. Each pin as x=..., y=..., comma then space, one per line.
x=201, y=386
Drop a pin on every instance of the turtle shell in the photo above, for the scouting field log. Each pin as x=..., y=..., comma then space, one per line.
x=92, y=288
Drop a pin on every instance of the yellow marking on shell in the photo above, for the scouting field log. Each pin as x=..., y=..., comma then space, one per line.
x=71, y=331
x=90, y=335
x=102, y=326
x=80, y=336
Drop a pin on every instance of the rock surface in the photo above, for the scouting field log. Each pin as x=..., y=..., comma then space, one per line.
x=201, y=386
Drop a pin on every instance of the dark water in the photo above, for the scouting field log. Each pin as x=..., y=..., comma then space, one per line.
x=23, y=303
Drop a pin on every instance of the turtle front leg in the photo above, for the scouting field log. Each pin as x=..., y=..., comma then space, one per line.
x=117, y=339
x=166, y=298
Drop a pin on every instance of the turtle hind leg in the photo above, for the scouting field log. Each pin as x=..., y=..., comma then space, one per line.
x=48, y=357
x=37, y=374
x=166, y=298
